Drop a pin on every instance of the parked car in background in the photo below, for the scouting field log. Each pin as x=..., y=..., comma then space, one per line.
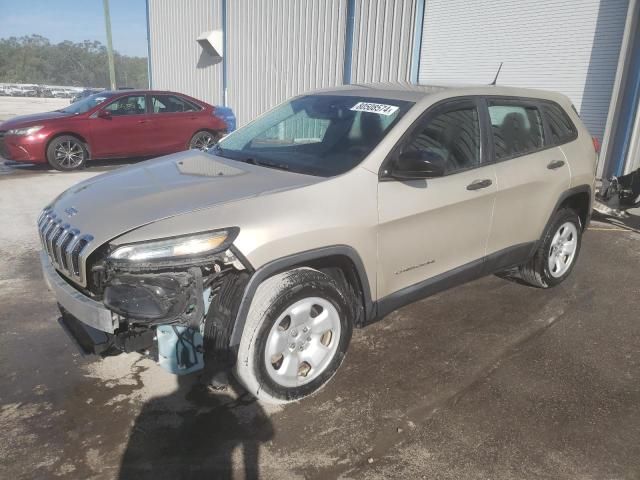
x=29, y=92
x=60, y=93
x=322, y=215
x=114, y=124
x=44, y=92
x=15, y=91
x=85, y=93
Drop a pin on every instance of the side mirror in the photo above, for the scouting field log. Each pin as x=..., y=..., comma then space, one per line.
x=106, y=114
x=418, y=164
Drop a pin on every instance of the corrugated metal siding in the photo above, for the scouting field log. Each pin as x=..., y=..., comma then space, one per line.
x=280, y=48
x=382, y=40
x=570, y=46
x=178, y=62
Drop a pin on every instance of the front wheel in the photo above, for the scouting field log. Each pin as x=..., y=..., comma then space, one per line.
x=297, y=333
x=203, y=140
x=67, y=153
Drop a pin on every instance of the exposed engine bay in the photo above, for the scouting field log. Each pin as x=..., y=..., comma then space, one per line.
x=178, y=314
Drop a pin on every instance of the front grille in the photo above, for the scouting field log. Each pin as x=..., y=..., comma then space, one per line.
x=65, y=245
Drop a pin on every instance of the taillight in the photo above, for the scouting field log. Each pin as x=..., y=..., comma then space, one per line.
x=596, y=144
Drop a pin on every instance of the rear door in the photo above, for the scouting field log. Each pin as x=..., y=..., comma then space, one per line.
x=531, y=171
x=125, y=133
x=435, y=226
x=175, y=120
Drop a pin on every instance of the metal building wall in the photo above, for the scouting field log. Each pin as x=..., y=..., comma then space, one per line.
x=382, y=40
x=570, y=46
x=280, y=48
x=177, y=61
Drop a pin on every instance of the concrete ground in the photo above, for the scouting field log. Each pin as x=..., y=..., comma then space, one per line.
x=491, y=380
x=12, y=106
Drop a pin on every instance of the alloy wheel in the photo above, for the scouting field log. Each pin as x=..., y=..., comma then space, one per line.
x=203, y=141
x=69, y=154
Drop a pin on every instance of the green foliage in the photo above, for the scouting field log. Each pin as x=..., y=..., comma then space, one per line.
x=33, y=59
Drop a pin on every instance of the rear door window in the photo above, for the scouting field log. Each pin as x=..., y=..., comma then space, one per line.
x=517, y=129
x=561, y=127
x=171, y=104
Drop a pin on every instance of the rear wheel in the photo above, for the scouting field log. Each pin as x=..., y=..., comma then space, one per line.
x=296, y=336
x=203, y=140
x=67, y=153
x=558, y=251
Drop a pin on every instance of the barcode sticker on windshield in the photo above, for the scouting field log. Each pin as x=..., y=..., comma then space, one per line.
x=379, y=108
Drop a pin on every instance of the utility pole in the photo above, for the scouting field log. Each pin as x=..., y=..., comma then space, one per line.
x=107, y=24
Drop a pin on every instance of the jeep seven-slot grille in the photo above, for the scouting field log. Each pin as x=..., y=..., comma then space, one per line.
x=65, y=245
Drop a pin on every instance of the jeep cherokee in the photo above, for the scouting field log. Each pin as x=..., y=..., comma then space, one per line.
x=324, y=214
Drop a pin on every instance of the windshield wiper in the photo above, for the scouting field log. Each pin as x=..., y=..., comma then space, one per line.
x=262, y=163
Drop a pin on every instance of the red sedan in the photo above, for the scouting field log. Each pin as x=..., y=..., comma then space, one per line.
x=113, y=124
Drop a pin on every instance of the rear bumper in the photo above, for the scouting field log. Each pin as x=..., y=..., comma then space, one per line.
x=80, y=306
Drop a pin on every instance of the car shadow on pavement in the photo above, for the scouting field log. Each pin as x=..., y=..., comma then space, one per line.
x=197, y=433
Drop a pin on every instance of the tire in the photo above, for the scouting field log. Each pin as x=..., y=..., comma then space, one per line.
x=67, y=153
x=203, y=140
x=542, y=270
x=281, y=333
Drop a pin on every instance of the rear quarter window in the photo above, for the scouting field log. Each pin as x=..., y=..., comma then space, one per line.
x=560, y=125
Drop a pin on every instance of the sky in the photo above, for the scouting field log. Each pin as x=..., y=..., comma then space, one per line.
x=78, y=20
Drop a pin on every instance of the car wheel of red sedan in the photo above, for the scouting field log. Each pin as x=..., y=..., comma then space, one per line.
x=203, y=140
x=67, y=153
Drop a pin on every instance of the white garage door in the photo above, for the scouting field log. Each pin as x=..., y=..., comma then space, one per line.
x=570, y=46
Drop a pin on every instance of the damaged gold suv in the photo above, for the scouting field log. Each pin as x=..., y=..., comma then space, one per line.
x=326, y=213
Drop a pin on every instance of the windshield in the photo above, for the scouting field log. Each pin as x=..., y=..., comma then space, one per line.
x=323, y=135
x=86, y=104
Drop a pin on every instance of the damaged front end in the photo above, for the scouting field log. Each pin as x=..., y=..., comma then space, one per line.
x=168, y=298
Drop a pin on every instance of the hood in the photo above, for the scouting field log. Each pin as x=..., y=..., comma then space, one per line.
x=109, y=205
x=28, y=120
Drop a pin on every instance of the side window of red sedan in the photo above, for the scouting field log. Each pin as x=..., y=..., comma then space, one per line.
x=133, y=105
x=171, y=104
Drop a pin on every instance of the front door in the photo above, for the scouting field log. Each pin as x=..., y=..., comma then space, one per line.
x=124, y=132
x=433, y=226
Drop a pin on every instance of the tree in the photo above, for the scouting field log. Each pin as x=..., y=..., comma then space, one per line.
x=33, y=59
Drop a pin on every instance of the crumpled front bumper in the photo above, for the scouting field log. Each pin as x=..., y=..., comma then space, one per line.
x=80, y=306
x=87, y=323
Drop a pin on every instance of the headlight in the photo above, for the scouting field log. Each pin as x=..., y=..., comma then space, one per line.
x=25, y=132
x=177, y=248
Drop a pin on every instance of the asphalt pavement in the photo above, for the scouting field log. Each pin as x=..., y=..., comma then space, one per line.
x=491, y=380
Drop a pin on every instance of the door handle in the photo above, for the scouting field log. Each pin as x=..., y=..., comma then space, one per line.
x=478, y=184
x=143, y=121
x=555, y=164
